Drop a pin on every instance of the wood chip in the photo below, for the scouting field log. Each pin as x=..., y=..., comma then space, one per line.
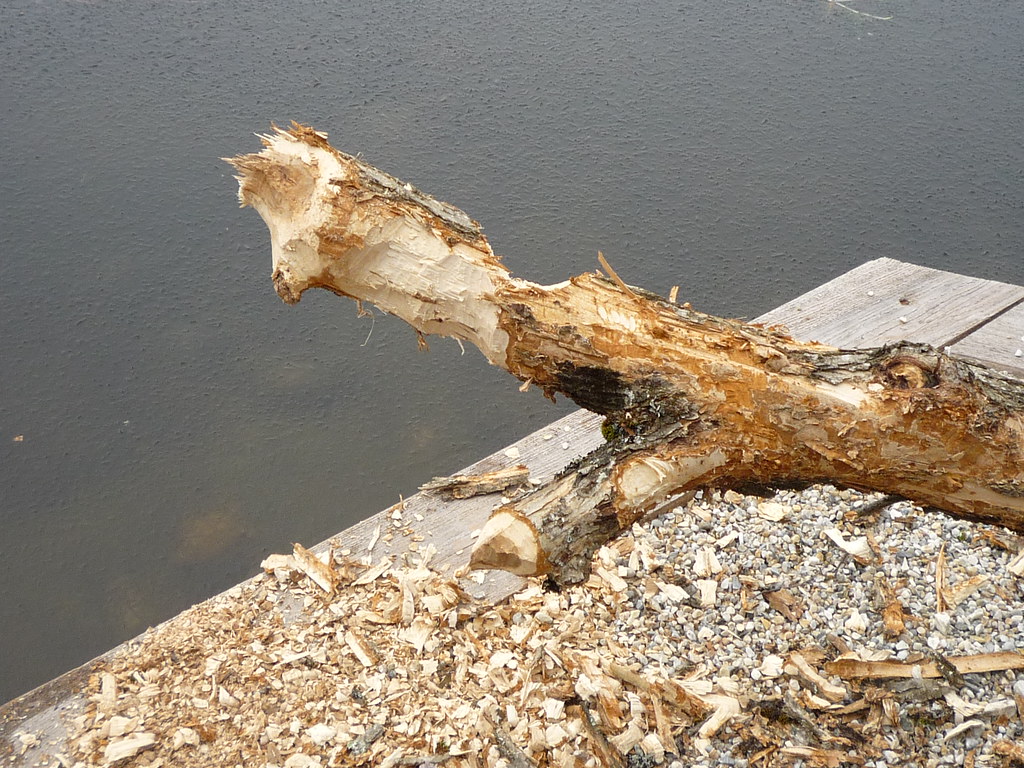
x=707, y=563
x=785, y=602
x=662, y=723
x=1016, y=566
x=852, y=667
x=1003, y=539
x=467, y=486
x=319, y=572
x=119, y=726
x=629, y=738
x=964, y=727
x=121, y=749
x=772, y=510
x=321, y=733
x=956, y=595
x=374, y=538
x=708, y=589
x=857, y=622
x=627, y=675
x=1008, y=749
x=418, y=633
x=361, y=648
x=727, y=539
x=616, y=279
x=940, y=581
x=771, y=665
x=616, y=582
x=673, y=592
x=184, y=737
x=374, y=573
x=598, y=741
x=225, y=698
x=859, y=549
x=893, y=617
x=107, y=699
x=687, y=696
x=830, y=691
x=408, y=599
x=726, y=708
x=822, y=758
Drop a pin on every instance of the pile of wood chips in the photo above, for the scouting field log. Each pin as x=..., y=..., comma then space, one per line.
x=345, y=664
x=332, y=661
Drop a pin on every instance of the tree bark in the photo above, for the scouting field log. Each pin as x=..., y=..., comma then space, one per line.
x=690, y=400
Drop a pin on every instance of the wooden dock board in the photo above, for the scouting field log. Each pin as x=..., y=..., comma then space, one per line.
x=999, y=343
x=887, y=300
x=860, y=308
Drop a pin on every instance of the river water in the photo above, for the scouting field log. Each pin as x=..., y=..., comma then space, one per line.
x=165, y=421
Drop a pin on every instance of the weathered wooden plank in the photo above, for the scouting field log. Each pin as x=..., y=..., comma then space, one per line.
x=887, y=300
x=999, y=343
x=45, y=713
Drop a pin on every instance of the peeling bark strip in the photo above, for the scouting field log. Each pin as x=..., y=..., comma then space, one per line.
x=467, y=486
x=691, y=400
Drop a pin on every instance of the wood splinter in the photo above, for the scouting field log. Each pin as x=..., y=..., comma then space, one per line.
x=853, y=667
x=690, y=400
x=467, y=486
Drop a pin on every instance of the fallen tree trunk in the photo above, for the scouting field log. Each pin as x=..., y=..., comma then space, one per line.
x=690, y=400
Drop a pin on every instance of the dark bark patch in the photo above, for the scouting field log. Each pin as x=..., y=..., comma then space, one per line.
x=597, y=389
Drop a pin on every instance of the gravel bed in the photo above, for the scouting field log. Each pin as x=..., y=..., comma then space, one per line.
x=840, y=603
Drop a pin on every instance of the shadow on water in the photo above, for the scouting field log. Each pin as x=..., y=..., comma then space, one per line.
x=177, y=422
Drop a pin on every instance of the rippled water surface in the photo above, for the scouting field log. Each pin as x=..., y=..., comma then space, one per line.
x=165, y=421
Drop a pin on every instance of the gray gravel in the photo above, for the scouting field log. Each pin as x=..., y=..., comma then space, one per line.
x=842, y=603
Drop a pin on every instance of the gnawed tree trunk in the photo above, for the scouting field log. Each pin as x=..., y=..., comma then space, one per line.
x=690, y=400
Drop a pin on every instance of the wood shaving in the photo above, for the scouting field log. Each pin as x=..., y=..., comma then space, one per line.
x=708, y=564
x=859, y=549
x=822, y=758
x=893, y=616
x=773, y=511
x=708, y=589
x=850, y=667
x=467, y=486
x=941, y=588
x=1016, y=566
x=786, y=603
x=830, y=691
x=319, y=572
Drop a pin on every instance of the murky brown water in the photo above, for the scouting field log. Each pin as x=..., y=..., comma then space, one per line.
x=179, y=422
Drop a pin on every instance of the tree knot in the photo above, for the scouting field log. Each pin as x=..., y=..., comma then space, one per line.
x=909, y=373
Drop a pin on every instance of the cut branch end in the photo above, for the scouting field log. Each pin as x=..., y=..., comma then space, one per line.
x=509, y=542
